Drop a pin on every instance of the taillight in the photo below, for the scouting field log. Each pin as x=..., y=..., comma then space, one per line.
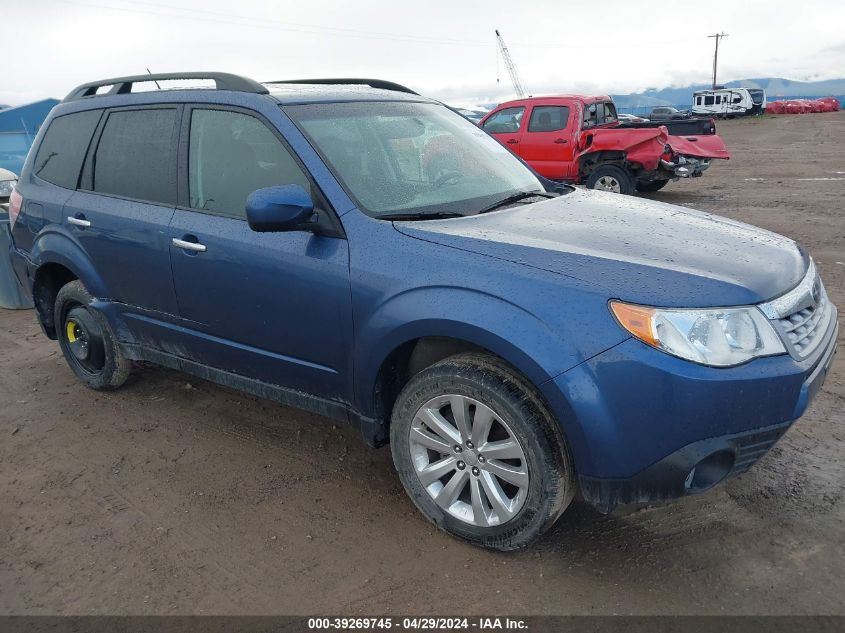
x=15, y=204
x=667, y=154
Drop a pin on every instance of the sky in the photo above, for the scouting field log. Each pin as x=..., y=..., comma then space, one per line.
x=445, y=49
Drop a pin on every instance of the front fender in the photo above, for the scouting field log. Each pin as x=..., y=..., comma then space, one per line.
x=484, y=320
x=56, y=245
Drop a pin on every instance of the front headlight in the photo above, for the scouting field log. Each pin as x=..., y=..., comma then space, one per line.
x=6, y=187
x=720, y=337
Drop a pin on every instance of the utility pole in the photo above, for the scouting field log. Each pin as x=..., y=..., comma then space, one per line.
x=718, y=36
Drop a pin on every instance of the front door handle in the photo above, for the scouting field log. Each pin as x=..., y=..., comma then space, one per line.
x=561, y=141
x=512, y=141
x=78, y=221
x=189, y=246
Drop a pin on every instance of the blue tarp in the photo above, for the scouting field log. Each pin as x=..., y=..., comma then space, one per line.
x=18, y=127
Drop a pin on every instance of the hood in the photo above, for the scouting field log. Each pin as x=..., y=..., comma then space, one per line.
x=633, y=249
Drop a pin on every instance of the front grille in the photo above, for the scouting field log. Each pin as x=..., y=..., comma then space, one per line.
x=805, y=328
x=752, y=447
x=802, y=315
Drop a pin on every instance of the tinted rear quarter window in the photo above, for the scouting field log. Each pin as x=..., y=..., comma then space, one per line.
x=59, y=158
x=135, y=155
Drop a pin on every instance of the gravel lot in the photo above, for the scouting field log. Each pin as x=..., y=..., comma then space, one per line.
x=174, y=495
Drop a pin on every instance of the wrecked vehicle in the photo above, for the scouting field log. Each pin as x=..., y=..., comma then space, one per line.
x=367, y=254
x=578, y=139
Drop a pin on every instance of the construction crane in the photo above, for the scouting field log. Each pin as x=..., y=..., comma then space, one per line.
x=515, y=80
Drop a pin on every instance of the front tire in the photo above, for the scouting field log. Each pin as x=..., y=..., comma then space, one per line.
x=611, y=178
x=86, y=340
x=479, y=453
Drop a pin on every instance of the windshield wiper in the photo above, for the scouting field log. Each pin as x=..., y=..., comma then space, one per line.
x=443, y=215
x=432, y=215
x=516, y=197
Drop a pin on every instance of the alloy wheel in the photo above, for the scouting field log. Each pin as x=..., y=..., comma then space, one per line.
x=468, y=460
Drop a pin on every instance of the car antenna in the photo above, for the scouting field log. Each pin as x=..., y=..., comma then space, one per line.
x=154, y=81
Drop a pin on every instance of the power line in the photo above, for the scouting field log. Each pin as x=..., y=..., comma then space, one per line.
x=718, y=36
x=220, y=17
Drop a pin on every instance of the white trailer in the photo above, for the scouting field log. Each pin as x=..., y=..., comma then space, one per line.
x=729, y=102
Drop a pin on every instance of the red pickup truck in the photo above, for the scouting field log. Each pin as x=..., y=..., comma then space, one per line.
x=579, y=139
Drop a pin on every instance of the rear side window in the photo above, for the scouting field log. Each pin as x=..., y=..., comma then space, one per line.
x=548, y=118
x=601, y=113
x=59, y=158
x=230, y=156
x=135, y=156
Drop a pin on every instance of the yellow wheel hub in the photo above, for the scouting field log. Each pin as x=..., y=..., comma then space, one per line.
x=70, y=330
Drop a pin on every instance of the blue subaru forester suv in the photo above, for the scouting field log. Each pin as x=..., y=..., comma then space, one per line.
x=354, y=249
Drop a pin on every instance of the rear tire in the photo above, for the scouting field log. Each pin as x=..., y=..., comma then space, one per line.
x=651, y=186
x=482, y=508
x=611, y=178
x=86, y=340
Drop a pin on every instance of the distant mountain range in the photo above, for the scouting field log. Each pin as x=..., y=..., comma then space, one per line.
x=775, y=87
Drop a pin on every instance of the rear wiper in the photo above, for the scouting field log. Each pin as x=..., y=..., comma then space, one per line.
x=432, y=215
x=516, y=197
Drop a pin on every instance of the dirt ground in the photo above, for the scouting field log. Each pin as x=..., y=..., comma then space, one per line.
x=174, y=495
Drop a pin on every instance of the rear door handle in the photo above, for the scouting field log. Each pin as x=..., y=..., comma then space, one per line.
x=512, y=141
x=78, y=221
x=189, y=246
x=560, y=141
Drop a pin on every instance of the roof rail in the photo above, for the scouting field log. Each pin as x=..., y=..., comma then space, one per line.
x=123, y=85
x=372, y=83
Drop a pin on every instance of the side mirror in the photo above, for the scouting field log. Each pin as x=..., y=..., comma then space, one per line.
x=7, y=183
x=274, y=209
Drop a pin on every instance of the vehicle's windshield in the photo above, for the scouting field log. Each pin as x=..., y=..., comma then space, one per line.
x=404, y=158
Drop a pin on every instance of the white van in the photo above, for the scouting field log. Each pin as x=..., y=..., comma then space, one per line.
x=729, y=102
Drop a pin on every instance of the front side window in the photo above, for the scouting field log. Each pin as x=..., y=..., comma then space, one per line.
x=135, y=156
x=708, y=100
x=59, y=158
x=231, y=155
x=411, y=158
x=505, y=121
x=548, y=118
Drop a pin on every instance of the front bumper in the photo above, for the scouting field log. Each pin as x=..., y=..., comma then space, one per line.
x=692, y=469
x=645, y=426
